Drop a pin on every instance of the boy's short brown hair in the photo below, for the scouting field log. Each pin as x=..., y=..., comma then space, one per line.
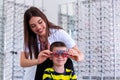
x=57, y=44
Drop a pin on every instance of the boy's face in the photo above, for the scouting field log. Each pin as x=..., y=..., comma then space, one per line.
x=59, y=57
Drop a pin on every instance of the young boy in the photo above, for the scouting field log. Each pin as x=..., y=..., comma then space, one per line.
x=59, y=58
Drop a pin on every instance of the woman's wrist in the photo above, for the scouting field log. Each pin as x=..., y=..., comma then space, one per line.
x=37, y=62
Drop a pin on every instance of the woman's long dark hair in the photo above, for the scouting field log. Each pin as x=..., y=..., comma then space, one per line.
x=30, y=38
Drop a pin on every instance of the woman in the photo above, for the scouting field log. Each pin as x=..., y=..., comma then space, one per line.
x=39, y=33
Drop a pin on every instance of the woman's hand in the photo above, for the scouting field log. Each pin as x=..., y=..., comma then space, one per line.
x=43, y=55
x=75, y=54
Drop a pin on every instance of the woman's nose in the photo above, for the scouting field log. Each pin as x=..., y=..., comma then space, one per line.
x=38, y=26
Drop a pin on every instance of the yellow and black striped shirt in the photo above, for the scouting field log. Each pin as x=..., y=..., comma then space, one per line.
x=50, y=74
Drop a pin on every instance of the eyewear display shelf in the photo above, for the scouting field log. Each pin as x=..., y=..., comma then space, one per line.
x=94, y=25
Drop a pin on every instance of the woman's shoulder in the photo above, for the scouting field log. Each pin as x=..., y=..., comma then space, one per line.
x=61, y=35
x=57, y=31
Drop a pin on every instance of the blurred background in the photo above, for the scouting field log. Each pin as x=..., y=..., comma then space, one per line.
x=93, y=24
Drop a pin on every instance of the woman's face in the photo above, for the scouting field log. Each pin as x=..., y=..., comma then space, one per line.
x=38, y=26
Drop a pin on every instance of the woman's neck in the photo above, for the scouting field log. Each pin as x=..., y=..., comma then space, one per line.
x=42, y=38
x=59, y=69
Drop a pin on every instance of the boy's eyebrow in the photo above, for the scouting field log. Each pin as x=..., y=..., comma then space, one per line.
x=60, y=51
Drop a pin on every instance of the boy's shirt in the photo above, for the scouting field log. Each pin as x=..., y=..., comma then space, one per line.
x=50, y=74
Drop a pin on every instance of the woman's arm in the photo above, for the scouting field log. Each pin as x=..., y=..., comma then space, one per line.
x=75, y=54
x=25, y=62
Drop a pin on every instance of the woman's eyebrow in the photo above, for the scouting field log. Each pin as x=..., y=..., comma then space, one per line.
x=39, y=20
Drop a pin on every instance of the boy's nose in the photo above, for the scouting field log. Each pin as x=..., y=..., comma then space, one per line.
x=59, y=55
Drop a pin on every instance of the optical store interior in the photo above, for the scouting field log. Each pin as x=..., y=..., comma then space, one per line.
x=93, y=24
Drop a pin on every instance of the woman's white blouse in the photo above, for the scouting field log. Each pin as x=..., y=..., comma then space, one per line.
x=56, y=35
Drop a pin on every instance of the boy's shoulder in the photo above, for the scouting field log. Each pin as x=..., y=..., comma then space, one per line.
x=49, y=69
x=52, y=70
x=69, y=70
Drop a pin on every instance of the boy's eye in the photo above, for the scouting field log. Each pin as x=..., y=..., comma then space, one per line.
x=63, y=55
x=56, y=55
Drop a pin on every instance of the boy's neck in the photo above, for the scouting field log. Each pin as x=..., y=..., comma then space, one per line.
x=59, y=69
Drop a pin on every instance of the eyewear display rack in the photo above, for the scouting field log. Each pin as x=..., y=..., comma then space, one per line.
x=1, y=40
x=11, y=36
x=94, y=24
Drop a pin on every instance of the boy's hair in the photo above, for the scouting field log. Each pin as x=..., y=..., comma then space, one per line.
x=57, y=44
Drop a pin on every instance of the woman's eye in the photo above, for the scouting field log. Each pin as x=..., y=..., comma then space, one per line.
x=40, y=22
x=32, y=26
